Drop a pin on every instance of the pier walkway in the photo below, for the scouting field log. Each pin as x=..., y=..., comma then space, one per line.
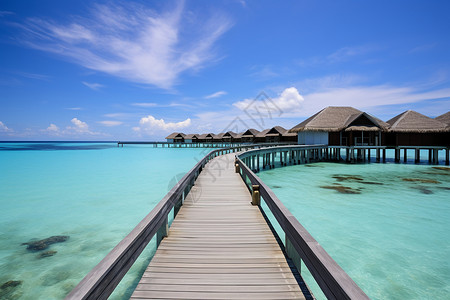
x=219, y=246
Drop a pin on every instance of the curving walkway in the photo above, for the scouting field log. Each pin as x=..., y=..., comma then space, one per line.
x=219, y=246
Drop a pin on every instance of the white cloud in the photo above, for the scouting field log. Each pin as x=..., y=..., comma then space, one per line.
x=4, y=128
x=290, y=100
x=131, y=42
x=145, y=104
x=53, y=128
x=150, y=125
x=110, y=123
x=93, y=86
x=215, y=95
x=80, y=126
x=74, y=108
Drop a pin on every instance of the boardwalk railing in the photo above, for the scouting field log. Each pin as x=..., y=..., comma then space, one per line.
x=101, y=281
x=299, y=244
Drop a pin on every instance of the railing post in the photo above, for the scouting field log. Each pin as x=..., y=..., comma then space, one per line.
x=293, y=254
x=162, y=232
x=256, y=198
x=237, y=169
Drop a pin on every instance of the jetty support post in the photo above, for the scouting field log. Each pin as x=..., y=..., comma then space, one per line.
x=447, y=156
x=417, y=156
x=397, y=155
x=256, y=198
x=162, y=232
x=405, y=155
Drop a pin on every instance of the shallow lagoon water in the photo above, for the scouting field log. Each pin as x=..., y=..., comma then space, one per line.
x=93, y=192
x=390, y=237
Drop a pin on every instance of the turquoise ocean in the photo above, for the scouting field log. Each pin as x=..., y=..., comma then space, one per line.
x=96, y=193
x=387, y=225
x=390, y=233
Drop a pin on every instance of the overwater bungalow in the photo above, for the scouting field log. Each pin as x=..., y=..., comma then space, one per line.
x=176, y=137
x=275, y=134
x=411, y=128
x=249, y=136
x=227, y=137
x=191, y=138
x=206, y=138
x=341, y=126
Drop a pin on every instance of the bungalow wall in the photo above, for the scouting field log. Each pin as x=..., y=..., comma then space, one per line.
x=170, y=140
x=313, y=138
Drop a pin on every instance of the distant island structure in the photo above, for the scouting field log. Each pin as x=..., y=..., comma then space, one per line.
x=341, y=126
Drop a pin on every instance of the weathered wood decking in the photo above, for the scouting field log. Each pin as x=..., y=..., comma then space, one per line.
x=219, y=246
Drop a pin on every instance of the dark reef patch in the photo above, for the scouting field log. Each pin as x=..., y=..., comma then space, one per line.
x=421, y=180
x=342, y=189
x=347, y=178
x=276, y=187
x=442, y=169
x=45, y=243
x=46, y=254
x=8, y=290
x=423, y=189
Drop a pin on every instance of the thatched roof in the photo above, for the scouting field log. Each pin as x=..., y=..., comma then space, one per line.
x=191, y=136
x=218, y=136
x=263, y=133
x=175, y=135
x=275, y=131
x=412, y=121
x=250, y=133
x=445, y=118
x=230, y=134
x=207, y=136
x=337, y=118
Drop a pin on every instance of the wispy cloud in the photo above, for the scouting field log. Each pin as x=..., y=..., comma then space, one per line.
x=93, y=86
x=4, y=128
x=131, y=42
x=264, y=72
x=145, y=104
x=215, y=95
x=110, y=123
x=33, y=76
x=5, y=13
x=341, y=55
x=151, y=125
x=74, y=108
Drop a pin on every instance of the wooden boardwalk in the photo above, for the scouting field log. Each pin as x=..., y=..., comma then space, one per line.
x=219, y=246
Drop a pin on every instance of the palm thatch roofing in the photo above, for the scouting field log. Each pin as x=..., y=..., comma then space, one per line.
x=338, y=118
x=445, y=118
x=250, y=133
x=191, y=136
x=412, y=121
x=218, y=136
x=175, y=135
x=262, y=133
x=206, y=136
x=230, y=134
x=275, y=131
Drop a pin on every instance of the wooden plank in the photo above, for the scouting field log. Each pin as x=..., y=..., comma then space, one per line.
x=218, y=247
x=208, y=295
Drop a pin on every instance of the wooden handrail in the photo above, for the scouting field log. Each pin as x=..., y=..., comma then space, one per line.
x=330, y=277
x=101, y=281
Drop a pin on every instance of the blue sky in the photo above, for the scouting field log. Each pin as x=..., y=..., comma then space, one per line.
x=123, y=70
